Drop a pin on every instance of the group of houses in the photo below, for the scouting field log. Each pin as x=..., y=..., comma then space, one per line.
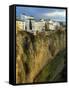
x=28, y=23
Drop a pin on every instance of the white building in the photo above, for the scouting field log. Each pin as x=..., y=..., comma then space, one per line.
x=53, y=25
x=20, y=25
x=39, y=26
x=29, y=21
x=31, y=25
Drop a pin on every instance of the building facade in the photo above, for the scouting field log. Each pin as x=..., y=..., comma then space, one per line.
x=20, y=25
x=53, y=25
x=28, y=23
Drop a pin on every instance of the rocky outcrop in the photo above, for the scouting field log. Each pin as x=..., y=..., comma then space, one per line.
x=35, y=52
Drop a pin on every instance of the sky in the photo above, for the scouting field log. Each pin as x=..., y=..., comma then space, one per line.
x=45, y=13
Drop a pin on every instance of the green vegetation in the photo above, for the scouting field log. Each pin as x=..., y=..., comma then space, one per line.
x=53, y=70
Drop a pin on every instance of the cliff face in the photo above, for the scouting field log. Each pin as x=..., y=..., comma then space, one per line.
x=33, y=53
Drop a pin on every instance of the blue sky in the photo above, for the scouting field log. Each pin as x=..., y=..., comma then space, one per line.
x=46, y=13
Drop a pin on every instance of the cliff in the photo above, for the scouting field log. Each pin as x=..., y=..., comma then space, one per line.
x=38, y=55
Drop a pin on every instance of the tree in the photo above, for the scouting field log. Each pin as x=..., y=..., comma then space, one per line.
x=30, y=24
x=45, y=26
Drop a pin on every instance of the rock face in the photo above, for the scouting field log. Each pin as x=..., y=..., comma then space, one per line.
x=35, y=52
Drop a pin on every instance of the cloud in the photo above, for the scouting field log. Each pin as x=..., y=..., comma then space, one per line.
x=56, y=13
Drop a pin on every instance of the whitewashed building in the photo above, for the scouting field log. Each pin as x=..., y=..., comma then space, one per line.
x=31, y=24
x=20, y=25
x=53, y=25
x=28, y=23
x=39, y=26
